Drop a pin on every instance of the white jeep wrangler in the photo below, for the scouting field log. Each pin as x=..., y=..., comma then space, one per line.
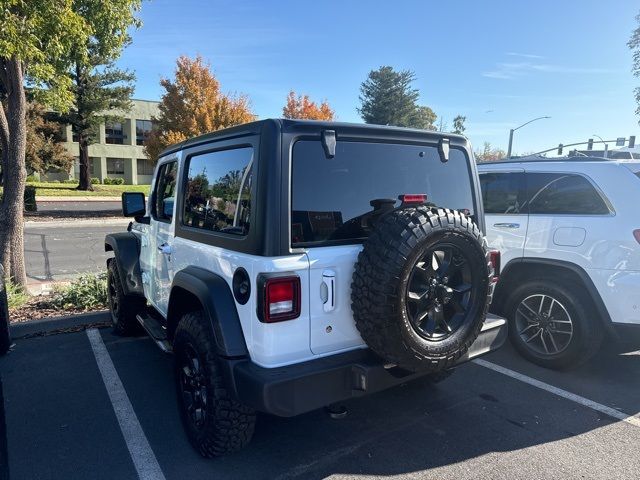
x=290, y=265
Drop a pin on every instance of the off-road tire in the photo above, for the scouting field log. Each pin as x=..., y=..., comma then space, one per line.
x=587, y=328
x=228, y=425
x=123, y=308
x=380, y=282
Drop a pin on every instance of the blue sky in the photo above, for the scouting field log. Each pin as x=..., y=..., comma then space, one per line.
x=499, y=63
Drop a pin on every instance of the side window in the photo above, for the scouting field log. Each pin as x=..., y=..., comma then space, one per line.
x=164, y=194
x=502, y=192
x=218, y=191
x=563, y=193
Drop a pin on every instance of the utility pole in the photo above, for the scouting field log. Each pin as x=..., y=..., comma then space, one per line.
x=514, y=129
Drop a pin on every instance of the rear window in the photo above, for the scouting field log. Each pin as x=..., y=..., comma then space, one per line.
x=332, y=198
x=565, y=194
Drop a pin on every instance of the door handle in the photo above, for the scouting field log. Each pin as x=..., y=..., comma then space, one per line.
x=165, y=249
x=507, y=225
x=328, y=290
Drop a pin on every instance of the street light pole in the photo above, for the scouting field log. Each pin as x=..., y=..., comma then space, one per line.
x=514, y=129
x=606, y=146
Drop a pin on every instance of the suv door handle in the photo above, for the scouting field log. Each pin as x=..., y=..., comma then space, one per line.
x=165, y=249
x=507, y=225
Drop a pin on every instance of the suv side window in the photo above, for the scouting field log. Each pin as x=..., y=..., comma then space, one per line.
x=165, y=190
x=502, y=192
x=218, y=191
x=563, y=193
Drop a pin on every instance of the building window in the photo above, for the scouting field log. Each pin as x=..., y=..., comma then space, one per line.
x=145, y=167
x=115, y=166
x=114, y=133
x=143, y=129
x=76, y=165
x=74, y=134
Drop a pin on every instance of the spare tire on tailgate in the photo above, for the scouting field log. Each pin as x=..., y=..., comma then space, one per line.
x=420, y=286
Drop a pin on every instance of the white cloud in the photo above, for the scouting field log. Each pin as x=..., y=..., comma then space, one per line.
x=525, y=55
x=508, y=71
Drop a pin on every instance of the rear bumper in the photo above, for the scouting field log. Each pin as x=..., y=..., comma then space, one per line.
x=300, y=388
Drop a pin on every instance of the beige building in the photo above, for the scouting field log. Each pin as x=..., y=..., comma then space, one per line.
x=119, y=152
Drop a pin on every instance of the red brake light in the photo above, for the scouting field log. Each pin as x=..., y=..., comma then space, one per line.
x=280, y=299
x=409, y=198
x=494, y=260
x=636, y=235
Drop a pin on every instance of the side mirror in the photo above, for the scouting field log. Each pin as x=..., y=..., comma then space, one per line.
x=133, y=204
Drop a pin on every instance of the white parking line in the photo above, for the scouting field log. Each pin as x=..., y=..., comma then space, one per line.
x=141, y=453
x=612, y=412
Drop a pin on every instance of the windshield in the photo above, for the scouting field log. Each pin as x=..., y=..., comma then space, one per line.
x=332, y=198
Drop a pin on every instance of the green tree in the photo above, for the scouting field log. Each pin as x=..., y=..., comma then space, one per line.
x=634, y=45
x=36, y=40
x=100, y=89
x=387, y=97
x=458, y=124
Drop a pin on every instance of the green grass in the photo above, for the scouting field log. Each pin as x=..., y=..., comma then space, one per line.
x=16, y=296
x=69, y=190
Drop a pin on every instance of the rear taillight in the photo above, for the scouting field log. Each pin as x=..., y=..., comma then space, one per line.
x=494, y=260
x=636, y=235
x=279, y=299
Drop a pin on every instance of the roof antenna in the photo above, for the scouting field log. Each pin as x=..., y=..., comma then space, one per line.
x=329, y=143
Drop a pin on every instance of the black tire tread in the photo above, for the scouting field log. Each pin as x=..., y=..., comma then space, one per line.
x=376, y=279
x=130, y=306
x=233, y=423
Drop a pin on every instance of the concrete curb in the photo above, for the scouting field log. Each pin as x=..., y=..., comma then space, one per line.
x=97, y=222
x=48, y=325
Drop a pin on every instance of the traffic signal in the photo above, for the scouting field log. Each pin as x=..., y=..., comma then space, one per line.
x=590, y=144
x=560, y=149
x=632, y=141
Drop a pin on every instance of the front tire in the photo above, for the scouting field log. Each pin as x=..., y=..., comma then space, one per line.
x=552, y=325
x=123, y=308
x=215, y=423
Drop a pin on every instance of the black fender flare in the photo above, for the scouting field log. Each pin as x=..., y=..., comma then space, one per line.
x=126, y=248
x=590, y=287
x=215, y=296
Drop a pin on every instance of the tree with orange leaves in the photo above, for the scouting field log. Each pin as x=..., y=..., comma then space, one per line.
x=192, y=105
x=301, y=107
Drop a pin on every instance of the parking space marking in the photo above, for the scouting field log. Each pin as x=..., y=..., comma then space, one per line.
x=144, y=460
x=612, y=412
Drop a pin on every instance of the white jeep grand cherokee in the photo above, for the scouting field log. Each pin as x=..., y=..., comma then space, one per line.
x=569, y=233
x=289, y=265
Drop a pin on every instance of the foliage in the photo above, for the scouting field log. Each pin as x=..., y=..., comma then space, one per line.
x=113, y=181
x=301, y=107
x=30, y=199
x=37, y=39
x=98, y=85
x=87, y=292
x=95, y=181
x=634, y=45
x=192, y=105
x=458, y=124
x=44, y=142
x=489, y=154
x=17, y=296
x=388, y=98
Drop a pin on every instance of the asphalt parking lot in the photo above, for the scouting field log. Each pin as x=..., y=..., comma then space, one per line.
x=69, y=415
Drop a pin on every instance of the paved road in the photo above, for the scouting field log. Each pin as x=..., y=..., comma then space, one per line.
x=61, y=253
x=79, y=206
x=477, y=424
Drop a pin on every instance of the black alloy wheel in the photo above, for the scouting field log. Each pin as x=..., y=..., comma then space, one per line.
x=439, y=292
x=193, y=386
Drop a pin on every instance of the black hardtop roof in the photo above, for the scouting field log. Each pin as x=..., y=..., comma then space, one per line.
x=315, y=125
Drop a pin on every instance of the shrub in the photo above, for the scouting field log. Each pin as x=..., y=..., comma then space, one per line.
x=106, y=181
x=30, y=199
x=88, y=291
x=31, y=179
x=16, y=295
x=117, y=181
x=95, y=181
x=70, y=180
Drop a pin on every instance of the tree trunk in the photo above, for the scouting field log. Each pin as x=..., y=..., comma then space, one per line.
x=85, y=174
x=13, y=124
